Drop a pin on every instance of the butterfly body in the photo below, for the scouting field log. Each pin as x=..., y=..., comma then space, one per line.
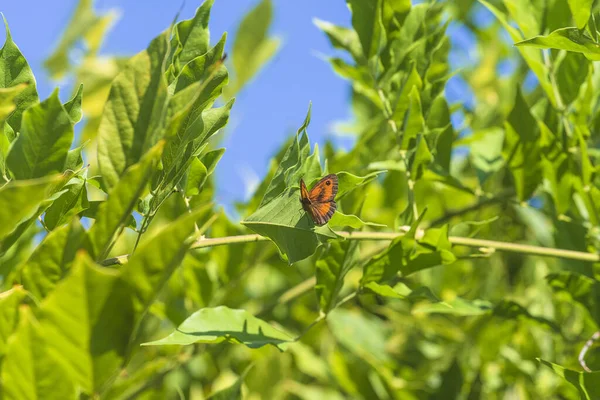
x=319, y=202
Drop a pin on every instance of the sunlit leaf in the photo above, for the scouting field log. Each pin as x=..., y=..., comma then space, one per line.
x=587, y=384
x=214, y=325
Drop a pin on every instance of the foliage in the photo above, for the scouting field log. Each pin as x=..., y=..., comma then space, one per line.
x=121, y=279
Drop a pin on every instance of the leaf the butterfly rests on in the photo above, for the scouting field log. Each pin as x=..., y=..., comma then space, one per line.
x=319, y=203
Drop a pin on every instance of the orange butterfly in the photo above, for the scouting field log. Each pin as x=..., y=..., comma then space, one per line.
x=319, y=203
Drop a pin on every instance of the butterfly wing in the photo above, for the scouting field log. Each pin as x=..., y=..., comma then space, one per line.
x=322, y=212
x=322, y=204
x=303, y=191
x=324, y=190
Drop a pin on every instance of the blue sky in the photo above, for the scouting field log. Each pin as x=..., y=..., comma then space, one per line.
x=270, y=108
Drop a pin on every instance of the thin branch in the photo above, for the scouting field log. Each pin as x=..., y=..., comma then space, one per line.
x=455, y=240
x=585, y=349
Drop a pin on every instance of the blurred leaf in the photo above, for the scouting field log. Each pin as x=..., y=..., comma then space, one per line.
x=570, y=75
x=15, y=71
x=341, y=38
x=452, y=382
x=31, y=370
x=580, y=288
x=362, y=335
x=402, y=291
x=42, y=146
x=252, y=48
x=133, y=117
x=581, y=10
x=9, y=314
x=85, y=25
x=233, y=392
x=368, y=24
x=115, y=212
x=588, y=384
x=50, y=261
x=570, y=39
x=214, y=325
x=331, y=271
x=522, y=149
x=20, y=199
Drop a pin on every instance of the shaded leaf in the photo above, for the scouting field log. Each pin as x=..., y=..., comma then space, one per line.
x=73, y=201
x=331, y=271
x=587, y=384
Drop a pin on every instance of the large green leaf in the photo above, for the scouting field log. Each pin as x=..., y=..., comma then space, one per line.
x=331, y=271
x=215, y=325
x=134, y=115
x=587, y=384
x=31, y=371
x=14, y=71
x=20, y=199
x=115, y=212
x=87, y=322
x=42, y=146
x=50, y=261
x=252, y=47
x=570, y=39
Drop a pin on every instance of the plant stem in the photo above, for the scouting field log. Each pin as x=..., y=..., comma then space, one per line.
x=455, y=240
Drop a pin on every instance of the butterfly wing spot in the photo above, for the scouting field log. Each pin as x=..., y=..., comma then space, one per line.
x=319, y=201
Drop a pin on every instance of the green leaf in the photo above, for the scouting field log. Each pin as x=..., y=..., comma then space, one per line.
x=580, y=288
x=134, y=115
x=115, y=212
x=196, y=177
x=581, y=10
x=31, y=371
x=95, y=303
x=14, y=71
x=51, y=260
x=588, y=384
x=367, y=22
x=192, y=36
x=407, y=255
x=156, y=258
x=571, y=73
x=20, y=199
x=570, y=39
x=8, y=100
x=9, y=315
x=532, y=57
x=252, y=48
x=402, y=291
x=331, y=271
x=414, y=123
x=341, y=38
x=232, y=392
x=73, y=201
x=522, y=149
x=215, y=325
x=340, y=219
x=457, y=306
x=363, y=335
x=85, y=25
x=42, y=146
x=73, y=106
x=284, y=222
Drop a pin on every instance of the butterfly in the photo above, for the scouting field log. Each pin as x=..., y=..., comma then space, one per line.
x=319, y=203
